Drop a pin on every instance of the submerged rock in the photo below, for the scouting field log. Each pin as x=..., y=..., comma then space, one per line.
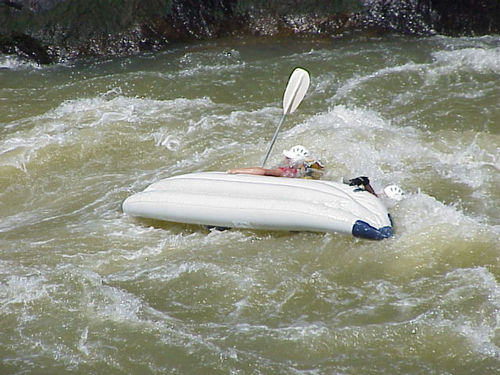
x=51, y=30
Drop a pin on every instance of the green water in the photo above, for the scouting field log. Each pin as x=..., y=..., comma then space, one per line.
x=85, y=289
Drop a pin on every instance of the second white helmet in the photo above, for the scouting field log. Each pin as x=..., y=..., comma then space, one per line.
x=394, y=192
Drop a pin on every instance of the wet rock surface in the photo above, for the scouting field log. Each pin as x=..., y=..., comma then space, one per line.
x=47, y=31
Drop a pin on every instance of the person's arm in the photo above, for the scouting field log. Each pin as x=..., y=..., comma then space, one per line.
x=277, y=172
x=369, y=189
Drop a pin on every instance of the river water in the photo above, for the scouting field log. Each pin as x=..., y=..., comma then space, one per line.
x=85, y=289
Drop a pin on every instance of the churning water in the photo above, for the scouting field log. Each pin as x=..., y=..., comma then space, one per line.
x=85, y=289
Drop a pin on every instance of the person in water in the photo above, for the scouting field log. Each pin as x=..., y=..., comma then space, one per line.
x=298, y=163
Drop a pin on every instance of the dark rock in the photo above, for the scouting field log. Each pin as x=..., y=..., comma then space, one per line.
x=51, y=30
x=464, y=17
x=26, y=47
x=11, y=4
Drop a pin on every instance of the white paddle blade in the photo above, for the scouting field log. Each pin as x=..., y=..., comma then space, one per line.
x=298, y=83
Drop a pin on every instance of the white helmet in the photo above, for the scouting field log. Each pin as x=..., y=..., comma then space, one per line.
x=394, y=192
x=297, y=153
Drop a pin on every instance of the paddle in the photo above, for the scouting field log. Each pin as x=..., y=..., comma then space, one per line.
x=294, y=93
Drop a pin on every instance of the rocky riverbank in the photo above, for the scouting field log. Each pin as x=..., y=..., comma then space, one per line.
x=48, y=31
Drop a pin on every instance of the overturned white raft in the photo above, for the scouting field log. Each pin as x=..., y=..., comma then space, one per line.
x=262, y=202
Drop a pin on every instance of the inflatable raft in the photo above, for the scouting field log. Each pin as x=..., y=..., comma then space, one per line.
x=263, y=202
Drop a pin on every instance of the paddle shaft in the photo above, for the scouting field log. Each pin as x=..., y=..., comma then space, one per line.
x=273, y=139
x=290, y=103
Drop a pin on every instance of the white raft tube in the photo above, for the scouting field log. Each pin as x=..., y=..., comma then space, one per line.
x=263, y=202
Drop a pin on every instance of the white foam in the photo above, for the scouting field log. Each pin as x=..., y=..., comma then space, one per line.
x=360, y=141
x=67, y=123
x=444, y=63
x=196, y=63
x=353, y=83
x=16, y=63
x=469, y=304
x=479, y=60
x=418, y=206
x=23, y=290
x=354, y=141
x=463, y=161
